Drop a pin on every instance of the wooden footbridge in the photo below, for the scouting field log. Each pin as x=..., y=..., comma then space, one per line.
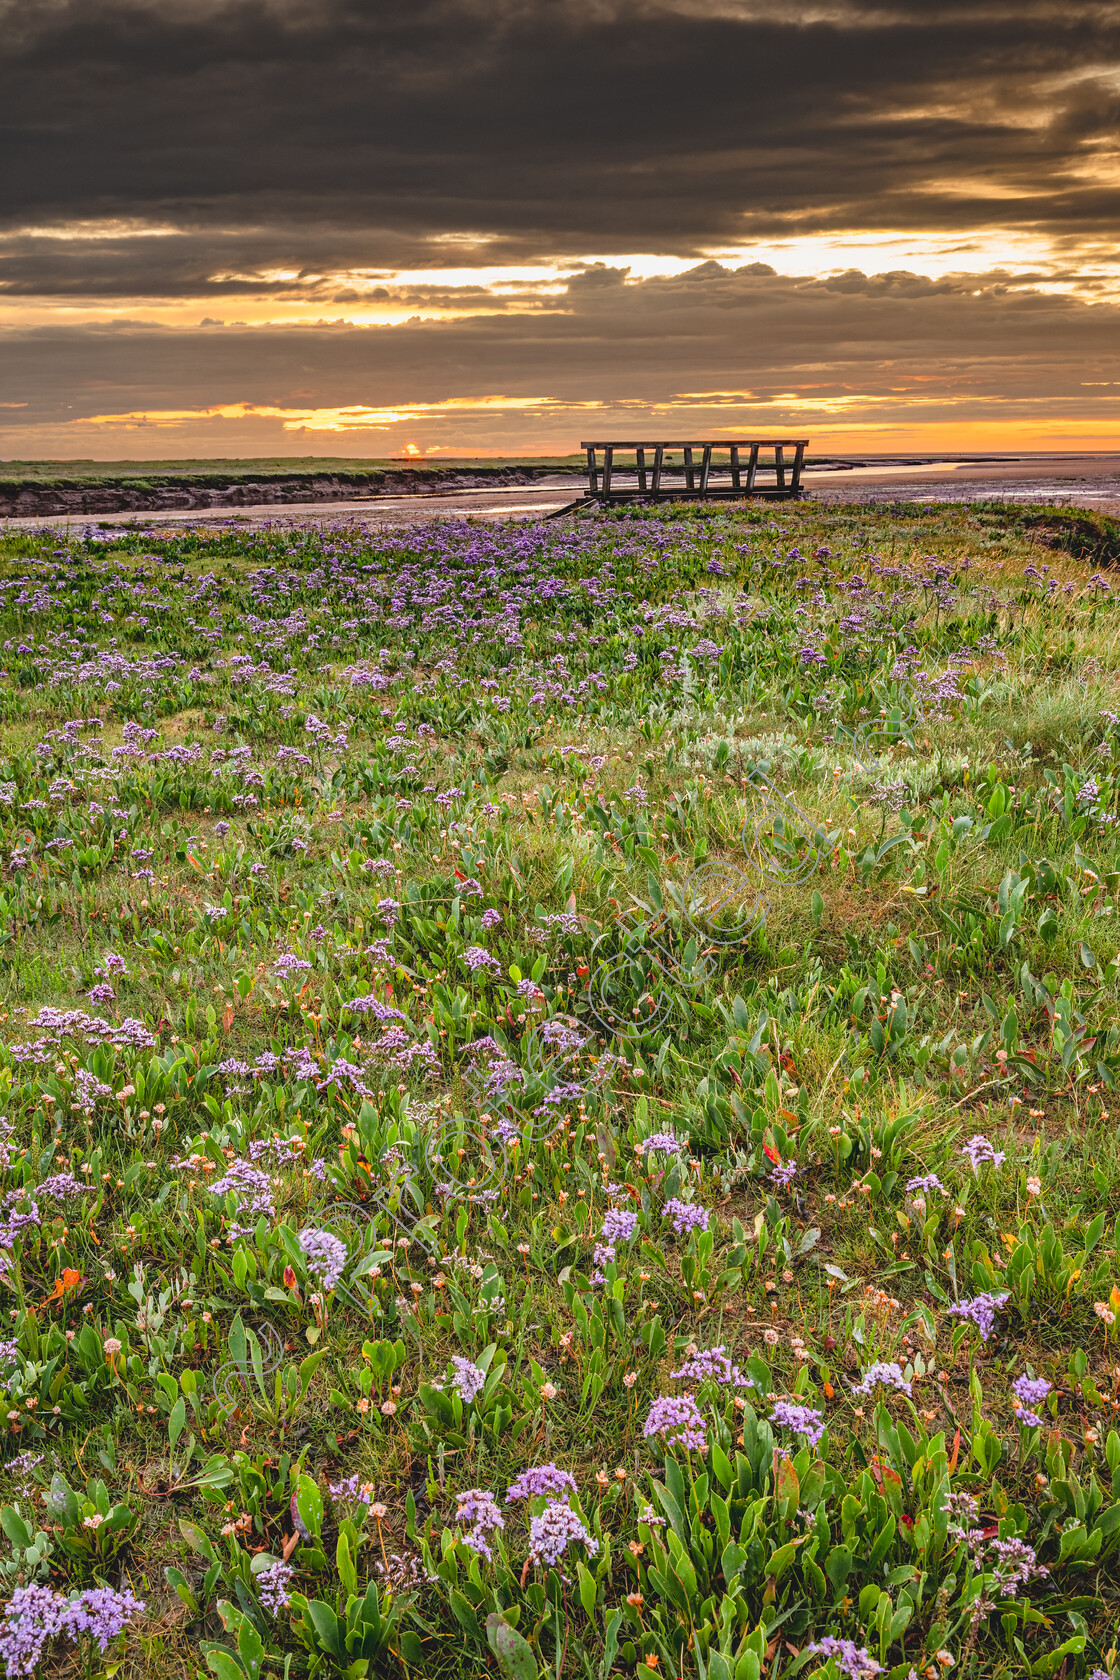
x=716, y=469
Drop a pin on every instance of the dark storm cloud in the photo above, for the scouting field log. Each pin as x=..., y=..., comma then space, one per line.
x=749, y=338
x=327, y=133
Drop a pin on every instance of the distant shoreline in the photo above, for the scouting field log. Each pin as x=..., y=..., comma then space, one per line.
x=24, y=496
x=31, y=490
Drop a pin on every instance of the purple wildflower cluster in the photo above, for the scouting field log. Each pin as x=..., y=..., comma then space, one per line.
x=1015, y=1565
x=252, y=1188
x=883, y=1376
x=13, y=1220
x=711, y=1365
x=350, y=1491
x=326, y=1255
x=619, y=1225
x=661, y=1143
x=468, y=1380
x=478, y=1512
x=551, y=1530
x=679, y=1422
x=925, y=1186
x=1030, y=1392
x=476, y=958
x=853, y=1661
x=37, y=1614
x=685, y=1216
x=542, y=1481
x=801, y=1420
x=272, y=1587
x=982, y=1311
x=978, y=1151
x=61, y=1186
x=554, y=1530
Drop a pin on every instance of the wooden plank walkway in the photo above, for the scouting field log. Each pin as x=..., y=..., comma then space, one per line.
x=709, y=469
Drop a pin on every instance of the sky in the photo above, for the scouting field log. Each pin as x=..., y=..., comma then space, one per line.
x=362, y=228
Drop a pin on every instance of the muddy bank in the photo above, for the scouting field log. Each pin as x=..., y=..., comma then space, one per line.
x=26, y=499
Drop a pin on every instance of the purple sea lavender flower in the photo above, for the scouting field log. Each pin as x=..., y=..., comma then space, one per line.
x=252, y=1188
x=476, y=957
x=350, y=1491
x=964, y=1508
x=100, y=1612
x=678, y=1420
x=289, y=963
x=541, y=1480
x=12, y=1223
x=852, y=1660
x=32, y=1616
x=979, y=1150
x=982, y=1311
x=784, y=1173
x=883, y=1376
x=925, y=1185
x=326, y=1255
x=686, y=1216
x=62, y=1185
x=661, y=1143
x=478, y=1511
x=802, y=1420
x=714, y=1363
x=618, y=1225
x=553, y=1531
x=272, y=1587
x=1030, y=1392
x=468, y=1379
x=35, y=1614
x=1016, y=1564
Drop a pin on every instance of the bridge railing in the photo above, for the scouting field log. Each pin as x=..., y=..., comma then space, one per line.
x=700, y=470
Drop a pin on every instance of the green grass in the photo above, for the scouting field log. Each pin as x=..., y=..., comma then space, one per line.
x=808, y=860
